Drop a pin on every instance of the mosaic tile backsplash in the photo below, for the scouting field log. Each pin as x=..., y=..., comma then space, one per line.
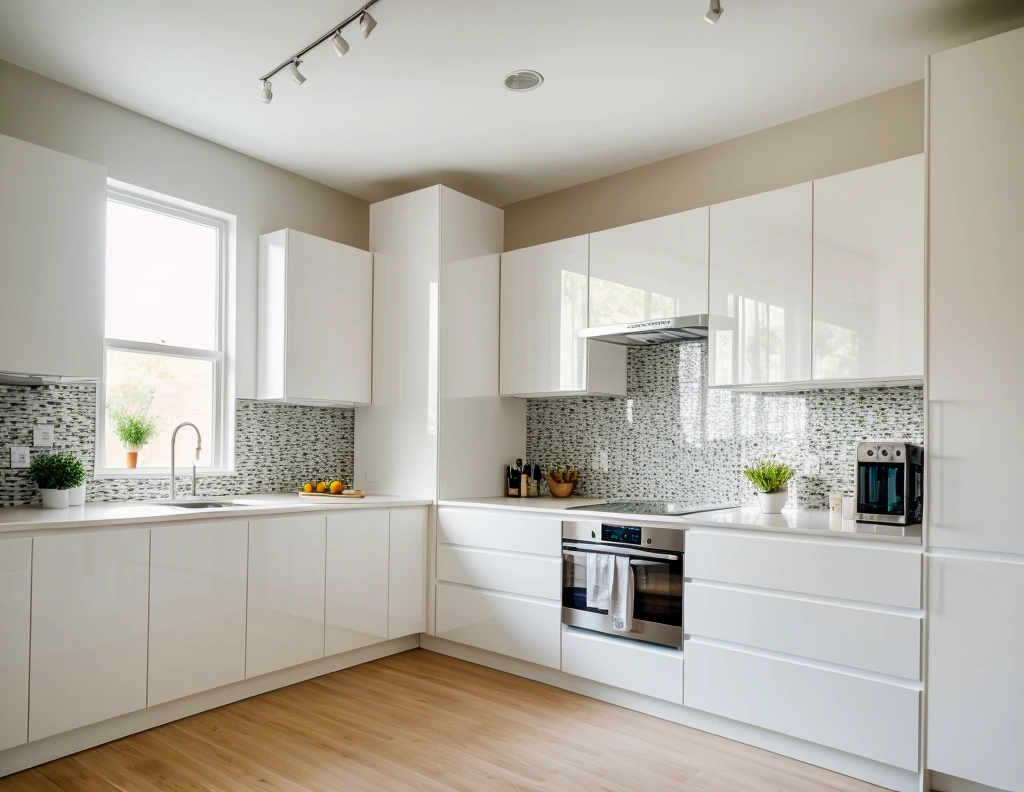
x=674, y=438
x=276, y=446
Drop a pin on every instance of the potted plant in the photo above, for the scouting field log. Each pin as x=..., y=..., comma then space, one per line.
x=57, y=475
x=134, y=427
x=771, y=479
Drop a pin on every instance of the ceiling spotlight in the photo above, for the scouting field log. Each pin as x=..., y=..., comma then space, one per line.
x=366, y=24
x=296, y=74
x=714, y=12
x=266, y=94
x=523, y=80
x=340, y=45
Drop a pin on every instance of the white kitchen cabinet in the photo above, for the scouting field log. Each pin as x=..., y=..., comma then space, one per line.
x=869, y=273
x=197, y=592
x=90, y=606
x=15, y=597
x=496, y=529
x=407, y=572
x=760, y=289
x=655, y=671
x=356, y=614
x=53, y=223
x=655, y=269
x=508, y=572
x=975, y=684
x=315, y=320
x=543, y=309
x=521, y=627
x=287, y=558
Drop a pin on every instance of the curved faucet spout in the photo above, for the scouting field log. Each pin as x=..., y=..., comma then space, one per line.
x=199, y=448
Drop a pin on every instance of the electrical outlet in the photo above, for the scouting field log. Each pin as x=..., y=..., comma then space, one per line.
x=20, y=457
x=812, y=465
x=42, y=435
x=371, y=476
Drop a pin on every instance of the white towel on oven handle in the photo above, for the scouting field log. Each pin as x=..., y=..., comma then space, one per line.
x=599, y=580
x=621, y=608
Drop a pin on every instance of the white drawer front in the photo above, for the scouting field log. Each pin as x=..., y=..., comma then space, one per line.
x=500, y=530
x=652, y=671
x=490, y=569
x=861, y=716
x=526, y=629
x=847, y=571
x=886, y=643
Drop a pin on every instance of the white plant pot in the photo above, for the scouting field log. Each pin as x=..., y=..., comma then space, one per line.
x=55, y=499
x=773, y=502
x=76, y=496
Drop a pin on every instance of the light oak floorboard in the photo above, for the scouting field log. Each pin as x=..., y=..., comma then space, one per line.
x=424, y=722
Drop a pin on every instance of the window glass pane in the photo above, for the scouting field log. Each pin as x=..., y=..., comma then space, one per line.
x=161, y=278
x=175, y=390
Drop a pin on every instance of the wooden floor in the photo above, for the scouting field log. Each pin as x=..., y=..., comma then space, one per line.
x=424, y=721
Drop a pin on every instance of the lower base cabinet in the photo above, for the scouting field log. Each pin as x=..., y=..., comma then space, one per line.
x=654, y=671
x=527, y=629
x=407, y=573
x=845, y=711
x=15, y=600
x=357, y=580
x=90, y=624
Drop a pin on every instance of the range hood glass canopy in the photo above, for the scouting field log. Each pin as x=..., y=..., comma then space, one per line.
x=653, y=331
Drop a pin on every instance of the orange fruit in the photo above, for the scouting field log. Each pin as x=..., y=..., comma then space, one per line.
x=336, y=487
x=307, y=487
x=321, y=486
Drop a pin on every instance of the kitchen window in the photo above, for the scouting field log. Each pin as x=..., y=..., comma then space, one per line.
x=166, y=333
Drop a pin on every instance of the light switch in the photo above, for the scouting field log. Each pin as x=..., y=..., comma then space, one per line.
x=20, y=457
x=42, y=435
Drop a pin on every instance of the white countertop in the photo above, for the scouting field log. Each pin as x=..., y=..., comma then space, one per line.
x=807, y=522
x=34, y=519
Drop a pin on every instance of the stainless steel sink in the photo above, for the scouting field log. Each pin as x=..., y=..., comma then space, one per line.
x=188, y=503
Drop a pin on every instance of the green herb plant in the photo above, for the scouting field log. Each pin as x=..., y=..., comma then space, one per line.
x=768, y=475
x=132, y=423
x=57, y=471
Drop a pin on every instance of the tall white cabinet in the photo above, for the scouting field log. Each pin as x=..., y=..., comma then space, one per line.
x=869, y=272
x=314, y=331
x=15, y=599
x=53, y=212
x=975, y=281
x=760, y=289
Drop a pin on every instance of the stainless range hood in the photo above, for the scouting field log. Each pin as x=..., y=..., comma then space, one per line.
x=653, y=331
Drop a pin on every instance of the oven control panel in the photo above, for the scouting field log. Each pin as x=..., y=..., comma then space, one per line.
x=621, y=534
x=670, y=538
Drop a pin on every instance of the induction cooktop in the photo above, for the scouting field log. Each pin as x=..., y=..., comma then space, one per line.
x=650, y=507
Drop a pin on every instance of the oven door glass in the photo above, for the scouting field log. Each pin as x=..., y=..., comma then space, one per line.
x=880, y=488
x=658, y=585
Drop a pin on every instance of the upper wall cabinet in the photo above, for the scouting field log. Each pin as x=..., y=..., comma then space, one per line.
x=869, y=272
x=53, y=226
x=543, y=309
x=656, y=269
x=315, y=320
x=760, y=289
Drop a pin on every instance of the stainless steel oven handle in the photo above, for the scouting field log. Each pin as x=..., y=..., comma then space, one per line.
x=609, y=550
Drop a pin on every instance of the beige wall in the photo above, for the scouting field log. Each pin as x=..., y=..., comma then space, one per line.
x=877, y=129
x=143, y=152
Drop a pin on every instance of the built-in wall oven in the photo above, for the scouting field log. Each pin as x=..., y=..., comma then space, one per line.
x=656, y=561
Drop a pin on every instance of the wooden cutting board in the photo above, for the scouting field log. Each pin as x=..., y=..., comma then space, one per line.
x=354, y=494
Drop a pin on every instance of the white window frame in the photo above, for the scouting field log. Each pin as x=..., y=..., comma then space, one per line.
x=222, y=442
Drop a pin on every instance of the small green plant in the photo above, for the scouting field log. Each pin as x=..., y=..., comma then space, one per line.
x=57, y=471
x=132, y=423
x=768, y=475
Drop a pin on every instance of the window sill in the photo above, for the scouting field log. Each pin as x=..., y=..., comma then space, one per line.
x=154, y=473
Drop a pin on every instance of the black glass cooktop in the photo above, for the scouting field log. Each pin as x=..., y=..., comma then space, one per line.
x=652, y=507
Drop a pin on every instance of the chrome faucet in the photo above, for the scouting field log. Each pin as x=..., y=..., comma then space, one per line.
x=199, y=447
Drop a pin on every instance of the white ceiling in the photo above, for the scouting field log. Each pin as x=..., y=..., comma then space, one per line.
x=422, y=101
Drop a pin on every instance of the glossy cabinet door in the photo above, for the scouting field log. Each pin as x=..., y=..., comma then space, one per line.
x=760, y=289
x=656, y=269
x=90, y=606
x=53, y=211
x=543, y=309
x=407, y=572
x=357, y=579
x=869, y=272
x=197, y=590
x=15, y=597
x=287, y=556
x=975, y=684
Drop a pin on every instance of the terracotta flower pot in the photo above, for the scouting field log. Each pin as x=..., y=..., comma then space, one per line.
x=131, y=459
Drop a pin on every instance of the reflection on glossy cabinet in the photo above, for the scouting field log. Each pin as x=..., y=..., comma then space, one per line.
x=15, y=596
x=656, y=269
x=407, y=573
x=90, y=605
x=975, y=685
x=357, y=580
x=869, y=272
x=197, y=607
x=760, y=289
x=543, y=309
x=286, y=592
